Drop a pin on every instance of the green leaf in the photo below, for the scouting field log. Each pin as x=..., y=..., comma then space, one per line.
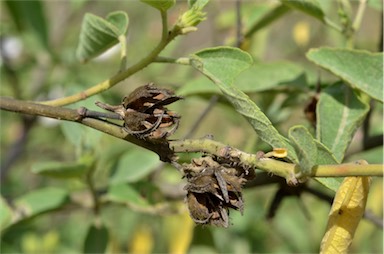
x=305, y=147
x=96, y=240
x=6, y=214
x=119, y=20
x=222, y=65
x=259, y=77
x=123, y=193
x=61, y=169
x=269, y=17
x=339, y=112
x=134, y=165
x=34, y=21
x=199, y=4
x=361, y=69
x=325, y=157
x=310, y=7
x=161, y=5
x=97, y=34
x=41, y=200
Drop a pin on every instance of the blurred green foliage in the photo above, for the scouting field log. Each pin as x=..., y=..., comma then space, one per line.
x=119, y=196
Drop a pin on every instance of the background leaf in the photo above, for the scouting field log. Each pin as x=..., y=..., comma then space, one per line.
x=259, y=77
x=310, y=7
x=361, y=69
x=134, y=165
x=34, y=20
x=41, y=200
x=60, y=169
x=305, y=147
x=96, y=240
x=6, y=214
x=222, y=65
x=161, y=5
x=272, y=15
x=124, y=193
x=97, y=34
x=340, y=112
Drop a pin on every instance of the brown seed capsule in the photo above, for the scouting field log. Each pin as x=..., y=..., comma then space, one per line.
x=144, y=112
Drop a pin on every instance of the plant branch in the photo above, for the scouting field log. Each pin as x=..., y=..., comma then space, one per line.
x=167, y=37
x=166, y=149
x=181, y=60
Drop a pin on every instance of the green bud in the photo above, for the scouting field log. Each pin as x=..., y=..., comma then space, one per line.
x=190, y=19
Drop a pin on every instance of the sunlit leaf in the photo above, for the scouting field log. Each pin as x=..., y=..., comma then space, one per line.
x=340, y=112
x=259, y=77
x=346, y=212
x=361, y=69
x=124, y=193
x=222, y=65
x=134, y=165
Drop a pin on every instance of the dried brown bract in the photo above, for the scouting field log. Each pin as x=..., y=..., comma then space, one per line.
x=213, y=188
x=144, y=112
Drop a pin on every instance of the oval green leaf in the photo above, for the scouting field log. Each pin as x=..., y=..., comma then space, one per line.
x=134, y=165
x=60, y=169
x=222, y=65
x=340, y=113
x=259, y=77
x=41, y=200
x=361, y=69
x=124, y=193
x=97, y=34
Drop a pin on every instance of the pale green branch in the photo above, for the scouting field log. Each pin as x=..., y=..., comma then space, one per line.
x=166, y=150
x=167, y=37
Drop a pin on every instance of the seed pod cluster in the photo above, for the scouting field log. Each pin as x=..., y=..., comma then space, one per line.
x=212, y=189
x=144, y=112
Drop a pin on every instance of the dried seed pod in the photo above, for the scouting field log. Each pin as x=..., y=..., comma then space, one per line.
x=148, y=97
x=144, y=113
x=213, y=188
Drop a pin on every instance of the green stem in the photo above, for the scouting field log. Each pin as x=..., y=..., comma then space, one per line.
x=107, y=84
x=181, y=60
x=359, y=15
x=166, y=150
x=333, y=25
x=91, y=186
x=123, y=52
